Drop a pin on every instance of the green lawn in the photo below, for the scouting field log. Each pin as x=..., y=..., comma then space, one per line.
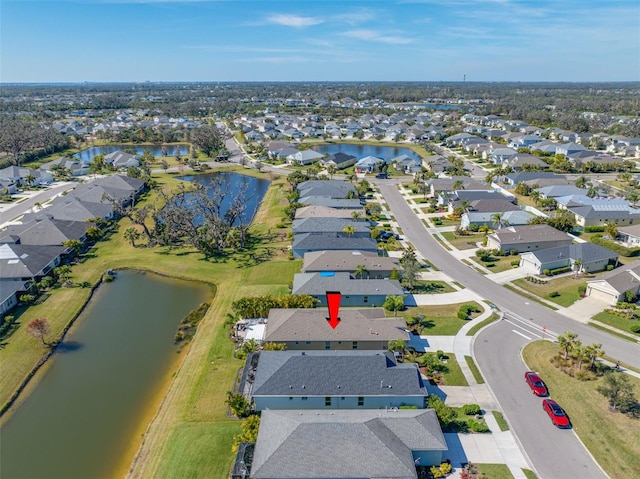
x=616, y=321
x=474, y=369
x=495, y=471
x=532, y=297
x=529, y=474
x=502, y=422
x=567, y=286
x=499, y=263
x=439, y=320
x=482, y=324
x=463, y=242
x=612, y=438
x=432, y=287
x=454, y=375
x=446, y=222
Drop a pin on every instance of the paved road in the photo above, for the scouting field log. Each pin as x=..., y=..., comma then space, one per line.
x=18, y=209
x=415, y=231
x=499, y=357
x=555, y=453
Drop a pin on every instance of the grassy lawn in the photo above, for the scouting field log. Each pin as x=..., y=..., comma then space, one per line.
x=191, y=435
x=616, y=321
x=502, y=422
x=432, y=287
x=445, y=222
x=532, y=297
x=474, y=369
x=495, y=471
x=482, y=324
x=498, y=264
x=463, y=242
x=529, y=474
x=439, y=320
x=612, y=438
x=567, y=286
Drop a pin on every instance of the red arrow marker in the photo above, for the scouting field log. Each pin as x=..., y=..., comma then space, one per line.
x=333, y=302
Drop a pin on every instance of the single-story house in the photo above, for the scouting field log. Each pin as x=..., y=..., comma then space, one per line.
x=339, y=379
x=328, y=188
x=75, y=167
x=406, y=164
x=593, y=257
x=340, y=203
x=437, y=185
x=307, y=329
x=71, y=208
x=368, y=164
x=9, y=294
x=558, y=191
x=630, y=235
x=613, y=285
x=516, y=217
x=354, y=444
x=306, y=242
x=600, y=215
x=305, y=157
x=120, y=159
x=355, y=292
x=27, y=262
x=438, y=164
x=339, y=160
x=348, y=261
x=45, y=231
x=314, y=211
x=572, y=201
x=513, y=179
x=361, y=229
x=527, y=238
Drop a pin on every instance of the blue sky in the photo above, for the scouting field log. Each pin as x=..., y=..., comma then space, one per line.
x=317, y=40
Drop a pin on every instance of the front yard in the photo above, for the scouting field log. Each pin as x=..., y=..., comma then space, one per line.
x=497, y=263
x=616, y=321
x=464, y=241
x=566, y=289
x=437, y=320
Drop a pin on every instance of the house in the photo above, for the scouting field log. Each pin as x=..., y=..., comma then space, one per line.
x=580, y=199
x=513, y=179
x=406, y=164
x=500, y=155
x=521, y=160
x=338, y=203
x=305, y=157
x=361, y=229
x=348, y=261
x=121, y=160
x=326, y=212
x=466, y=183
x=438, y=164
x=567, y=149
x=27, y=262
x=338, y=379
x=613, y=285
x=368, y=164
x=600, y=215
x=515, y=217
x=305, y=242
x=527, y=238
x=9, y=294
x=557, y=191
x=45, y=231
x=464, y=198
x=355, y=292
x=328, y=188
x=307, y=329
x=593, y=258
x=71, y=208
x=629, y=235
x=355, y=444
x=339, y=160
x=75, y=167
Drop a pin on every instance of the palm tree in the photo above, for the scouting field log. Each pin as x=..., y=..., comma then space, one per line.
x=394, y=303
x=498, y=219
x=356, y=215
x=332, y=170
x=361, y=270
x=457, y=185
x=594, y=351
x=131, y=235
x=397, y=345
x=349, y=230
x=567, y=342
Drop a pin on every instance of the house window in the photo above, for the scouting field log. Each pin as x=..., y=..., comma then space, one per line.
x=290, y=398
x=354, y=345
x=327, y=401
x=365, y=299
x=360, y=400
x=307, y=342
x=327, y=345
x=304, y=398
x=297, y=342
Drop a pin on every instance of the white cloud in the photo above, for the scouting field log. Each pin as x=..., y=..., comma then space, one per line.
x=374, y=36
x=295, y=21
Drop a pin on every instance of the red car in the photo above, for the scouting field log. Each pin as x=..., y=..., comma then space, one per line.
x=535, y=383
x=558, y=417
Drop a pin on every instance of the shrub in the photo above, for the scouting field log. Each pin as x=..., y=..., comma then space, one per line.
x=513, y=252
x=635, y=328
x=546, y=272
x=462, y=314
x=476, y=426
x=554, y=294
x=609, y=267
x=582, y=289
x=445, y=468
x=594, y=229
x=107, y=278
x=515, y=262
x=615, y=247
x=471, y=409
x=440, y=354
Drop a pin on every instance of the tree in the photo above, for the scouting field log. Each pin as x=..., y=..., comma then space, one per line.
x=238, y=404
x=131, y=234
x=457, y=185
x=332, y=170
x=74, y=245
x=361, y=270
x=593, y=351
x=39, y=328
x=63, y=273
x=274, y=347
x=397, y=345
x=356, y=215
x=164, y=164
x=567, y=341
x=394, y=303
x=249, y=433
x=349, y=230
x=411, y=267
x=498, y=219
x=619, y=391
x=611, y=230
x=208, y=139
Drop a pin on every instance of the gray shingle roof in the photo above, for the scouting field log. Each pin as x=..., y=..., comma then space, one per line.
x=332, y=241
x=529, y=233
x=45, y=231
x=331, y=202
x=325, y=212
x=24, y=261
x=328, y=225
x=330, y=188
x=315, y=284
x=335, y=373
x=355, y=325
x=587, y=252
x=348, y=261
x=345, y=444
x=622, y=279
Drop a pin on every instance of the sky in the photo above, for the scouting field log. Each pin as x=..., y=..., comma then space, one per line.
x=319, y=40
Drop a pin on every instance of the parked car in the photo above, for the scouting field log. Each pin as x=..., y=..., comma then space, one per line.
x=558, y=417
x=381, y=176
x=536, y=384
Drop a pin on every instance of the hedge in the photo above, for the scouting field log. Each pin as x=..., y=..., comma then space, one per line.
x=615, y=247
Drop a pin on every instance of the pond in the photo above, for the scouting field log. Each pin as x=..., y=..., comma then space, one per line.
x=103, y=384
x=234, y=183
x=387, y=153
x=86, y=156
